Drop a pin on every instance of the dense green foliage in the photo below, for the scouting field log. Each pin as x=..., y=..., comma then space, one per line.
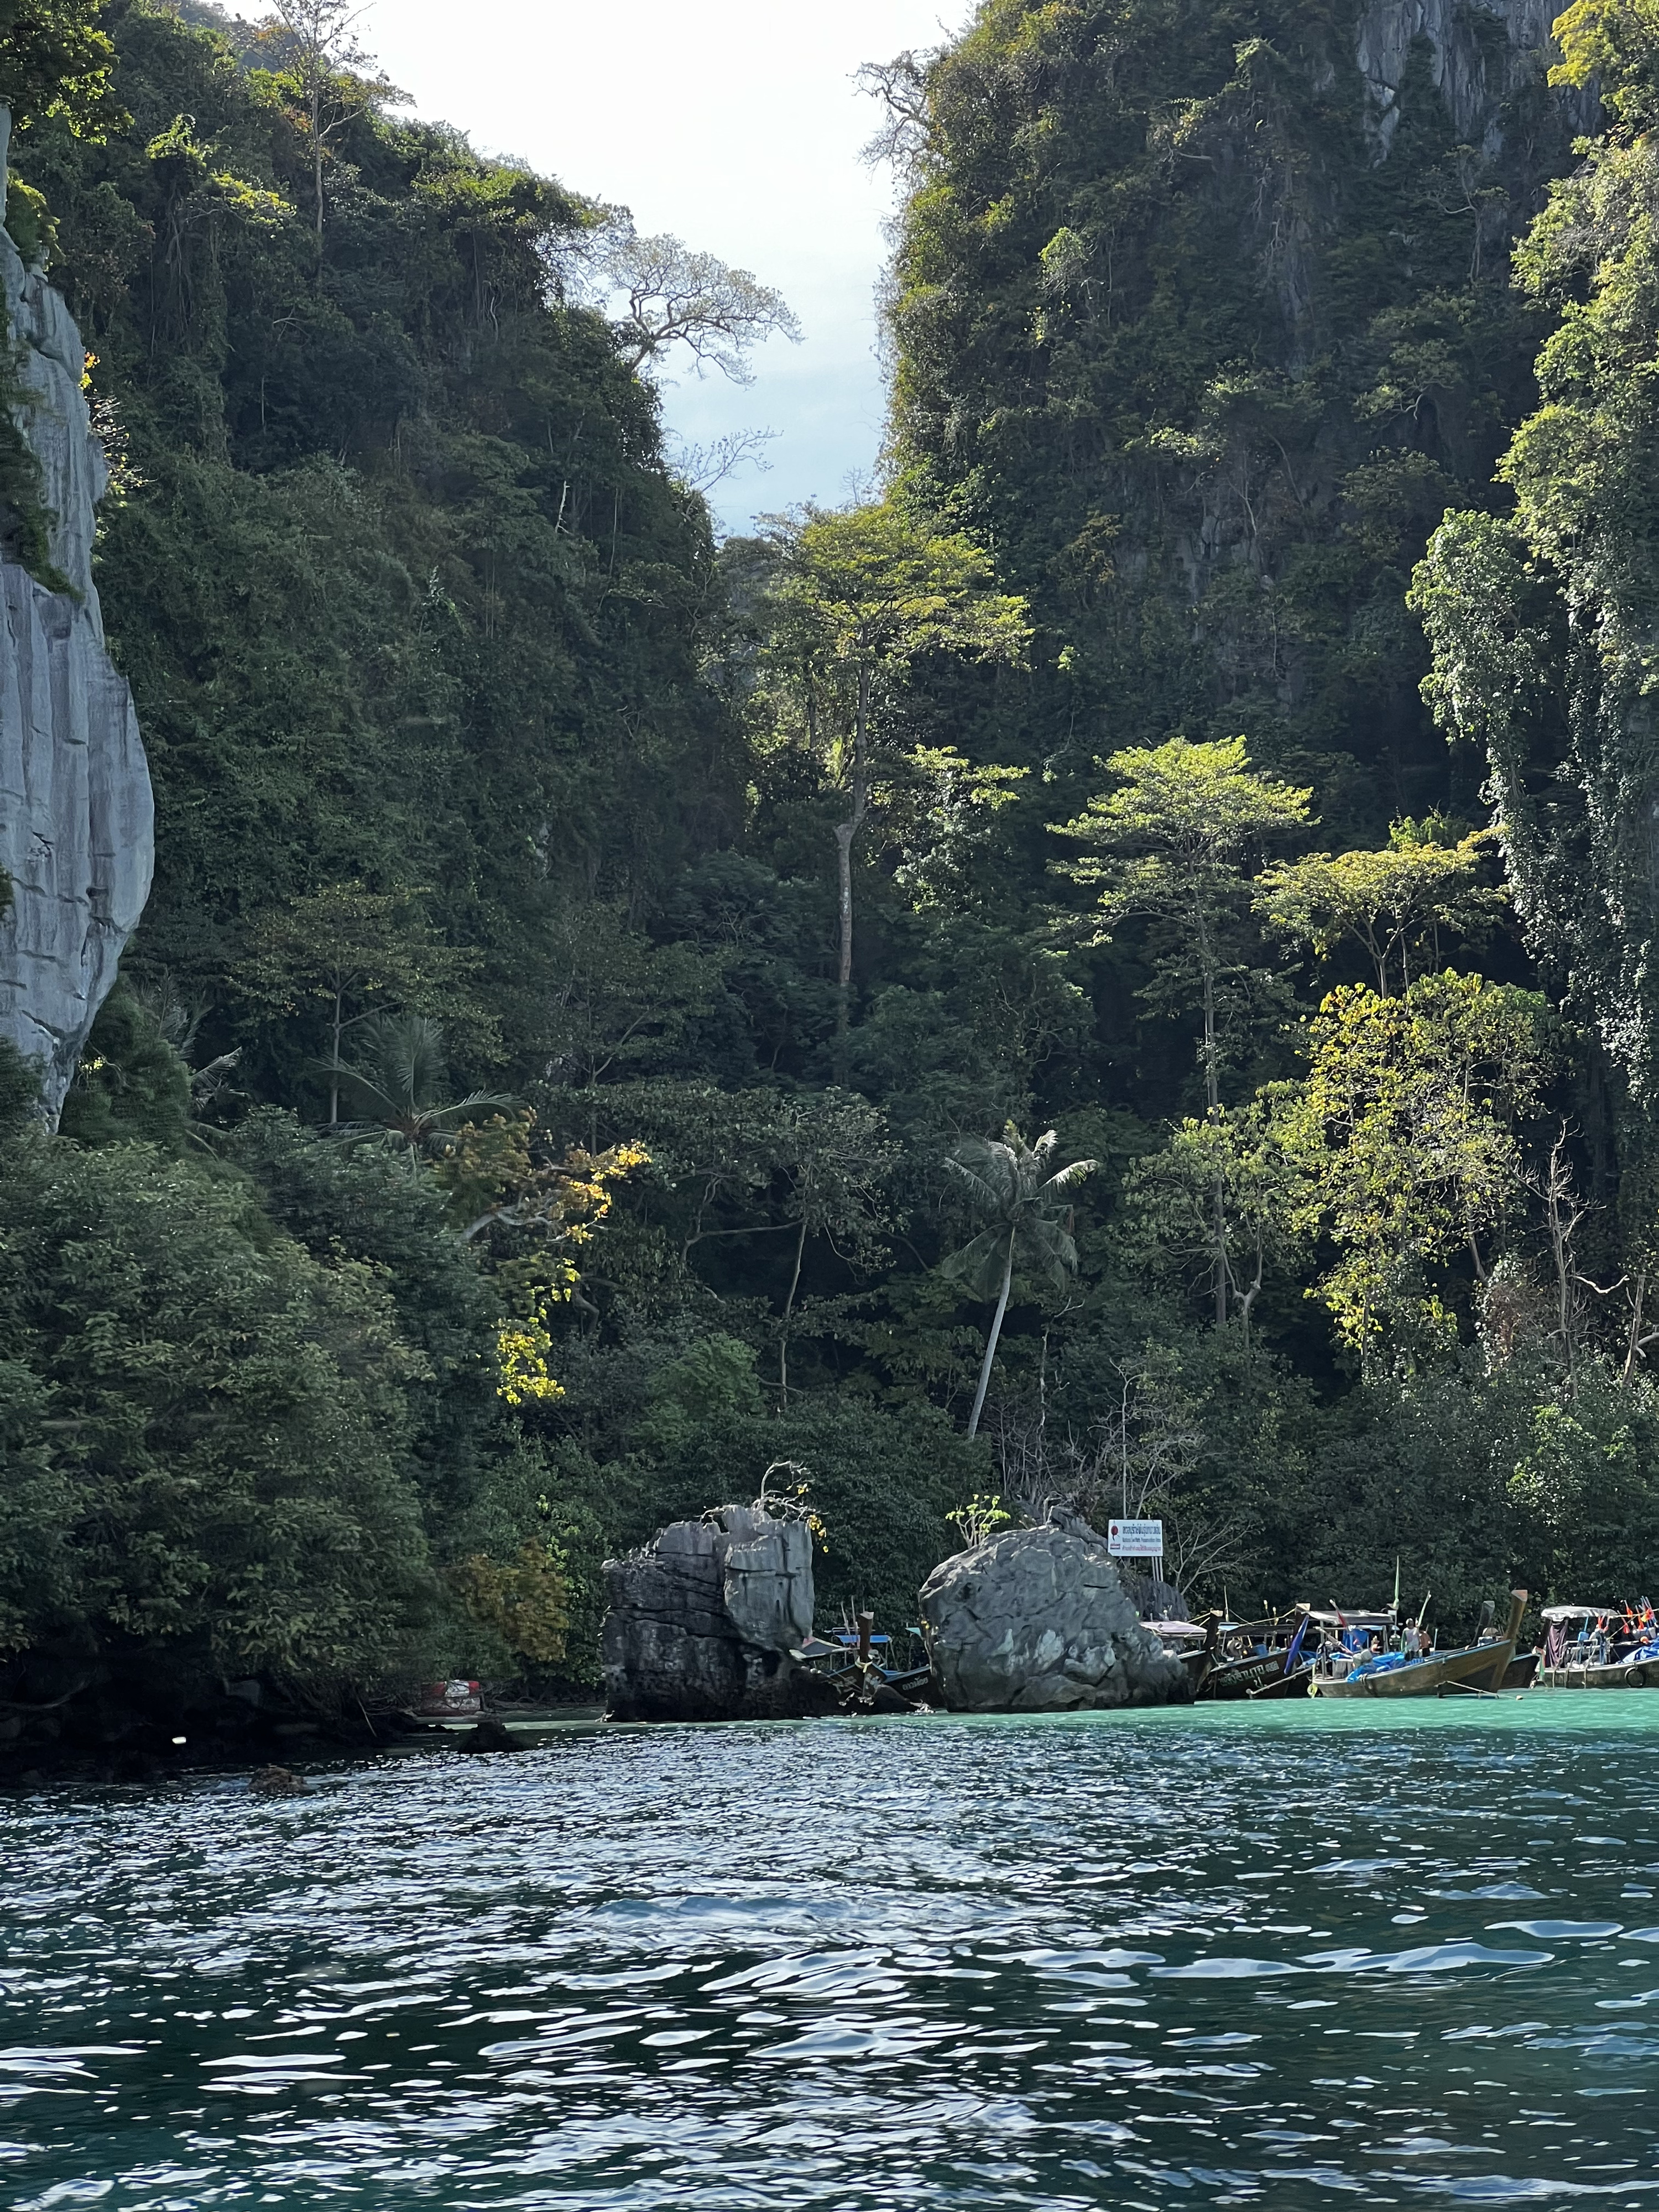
x=55, y=59
x=1544, y=619
x=405, y=591
x=1207, y=370
x=205, y=1427
x=578, y=950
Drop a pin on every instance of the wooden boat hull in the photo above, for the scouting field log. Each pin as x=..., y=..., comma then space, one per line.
x=1642, y=1675
x=1296, y=1684
x=1254, y=1677
x=1478, y=1667
x=1475, y=1667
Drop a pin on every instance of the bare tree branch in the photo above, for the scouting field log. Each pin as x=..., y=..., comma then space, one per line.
x=702, y=467
x=672, y=295
x=901, y=85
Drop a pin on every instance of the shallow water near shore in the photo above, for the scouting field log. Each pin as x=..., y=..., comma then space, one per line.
x=1288, y=1955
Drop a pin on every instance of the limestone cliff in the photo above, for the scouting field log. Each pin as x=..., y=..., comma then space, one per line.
x=1479, y=59
x=76, y=817
x=1035, y=1620
x=1205, y=332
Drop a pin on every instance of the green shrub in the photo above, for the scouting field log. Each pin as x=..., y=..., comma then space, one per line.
x=205, y=1431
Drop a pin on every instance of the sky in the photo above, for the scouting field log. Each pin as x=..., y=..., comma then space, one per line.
x=735, y=125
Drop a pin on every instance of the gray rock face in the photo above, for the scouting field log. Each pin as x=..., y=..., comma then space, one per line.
x=701, y=1621
x=1035, y=1620
x=1474, y=71
x=77, y=822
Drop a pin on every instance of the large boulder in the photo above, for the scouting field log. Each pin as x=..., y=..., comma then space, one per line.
x=703, y=1618
x=1035, y=1620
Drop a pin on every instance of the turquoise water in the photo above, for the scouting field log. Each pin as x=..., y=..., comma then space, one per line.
x=1287, y=1956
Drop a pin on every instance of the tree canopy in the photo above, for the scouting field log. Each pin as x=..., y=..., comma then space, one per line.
x=573, y=1056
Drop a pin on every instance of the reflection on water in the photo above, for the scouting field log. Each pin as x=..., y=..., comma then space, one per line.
x=1280, y=1957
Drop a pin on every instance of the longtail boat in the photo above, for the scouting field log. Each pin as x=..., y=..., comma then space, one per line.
x=1295, y=1681
x=1605, y=1655
x=1480, y=1666
x=1336, y=1641
x=1188, y=1642
x=1259, y=1659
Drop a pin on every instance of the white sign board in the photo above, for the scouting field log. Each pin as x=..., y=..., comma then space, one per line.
x=1135, y=1540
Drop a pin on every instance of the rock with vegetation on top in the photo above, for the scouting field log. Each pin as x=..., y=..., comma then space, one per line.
x=1035, y=1620
x=703, y=1618
x=78, y=839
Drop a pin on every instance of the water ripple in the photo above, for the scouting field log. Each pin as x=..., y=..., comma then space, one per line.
x=1140, y=1961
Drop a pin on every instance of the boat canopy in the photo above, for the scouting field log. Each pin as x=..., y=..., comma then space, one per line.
x=1580, y=1612
x=1177, y=1628
x=1351, y=1620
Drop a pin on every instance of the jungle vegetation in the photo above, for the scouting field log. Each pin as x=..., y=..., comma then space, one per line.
x=1118, y=969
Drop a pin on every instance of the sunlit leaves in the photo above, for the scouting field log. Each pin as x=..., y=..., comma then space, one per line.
x=55, y=61
x=1403, y=1136
x=1393, y=903
x=864, y=589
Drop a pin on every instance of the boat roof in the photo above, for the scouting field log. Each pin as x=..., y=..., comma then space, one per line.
x=1578, y=1612
x=1175, y=1628
x=1351, y=1620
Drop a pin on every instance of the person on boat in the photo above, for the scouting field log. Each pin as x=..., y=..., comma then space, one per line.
x=1412, y=1642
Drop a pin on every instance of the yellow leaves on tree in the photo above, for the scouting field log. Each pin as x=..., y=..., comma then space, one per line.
x=495, y=1182
x=492, y=1179
x=522, y=1350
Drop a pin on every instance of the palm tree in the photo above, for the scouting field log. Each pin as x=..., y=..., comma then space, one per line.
x=1028, y=1208
x=400, y=1086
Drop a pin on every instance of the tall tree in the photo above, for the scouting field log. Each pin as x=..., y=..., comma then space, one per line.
x=836, y=1155
x=861, y=594
x=1026, y=1203
x=318, y=43
x=672, y=294
x=354, y=954
x=1174, y=844
x=1170, y=1204
x=1393, y=903
x=1403, y=1136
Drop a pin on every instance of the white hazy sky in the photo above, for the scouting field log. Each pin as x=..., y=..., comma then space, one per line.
x=733, y=124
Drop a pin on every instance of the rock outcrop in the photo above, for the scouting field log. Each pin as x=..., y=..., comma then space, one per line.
x=703, y=1618
x=1478, y=60
x=76, y=817
x=1035, y=1620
